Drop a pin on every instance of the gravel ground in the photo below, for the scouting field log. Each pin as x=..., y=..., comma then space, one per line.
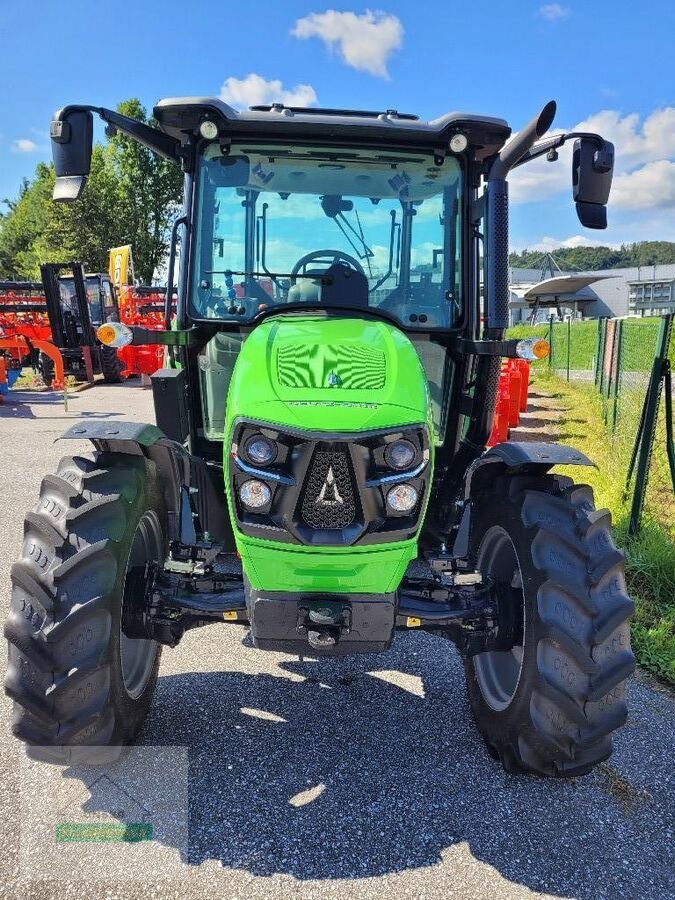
x=359, y=778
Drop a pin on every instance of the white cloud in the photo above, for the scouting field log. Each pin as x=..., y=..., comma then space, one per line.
x=650, y=187
x=644, y=170
x=636, y=141
x=578, y=240
x=365, y=41
x=24, y=145
x=254, y=90
x=553, y=12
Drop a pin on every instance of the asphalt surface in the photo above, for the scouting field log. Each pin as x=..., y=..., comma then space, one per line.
x=358, y=778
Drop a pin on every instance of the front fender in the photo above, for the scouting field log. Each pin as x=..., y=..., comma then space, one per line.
x=143, y=439
x=511, y=456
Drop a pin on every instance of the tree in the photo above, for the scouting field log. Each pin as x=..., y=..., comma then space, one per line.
x=149, y=191
x=131, y=197
x=580, y=259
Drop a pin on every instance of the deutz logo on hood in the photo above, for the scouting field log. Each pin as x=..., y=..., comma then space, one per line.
x=334, y=379
x=329, y=494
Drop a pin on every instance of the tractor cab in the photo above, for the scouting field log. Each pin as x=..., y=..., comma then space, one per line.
x=329, y=231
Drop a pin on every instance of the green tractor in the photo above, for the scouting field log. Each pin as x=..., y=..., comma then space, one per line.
x=318, y=471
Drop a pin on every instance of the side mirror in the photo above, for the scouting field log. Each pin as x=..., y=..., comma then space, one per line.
x=592, y=169
x=72, y=135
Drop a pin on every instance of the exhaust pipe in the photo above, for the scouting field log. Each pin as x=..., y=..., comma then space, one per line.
x=497, y=222
x=520, y=143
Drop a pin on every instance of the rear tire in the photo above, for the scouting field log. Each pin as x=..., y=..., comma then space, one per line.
x=81, y=688
x=550, y=705
x=111, y=365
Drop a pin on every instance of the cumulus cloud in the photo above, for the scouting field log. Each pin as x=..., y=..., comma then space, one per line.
x=636, y=140
x=365, y=42
x=553, y=12
x=649, y=187
x=254, y=90
x=644, y=171
x=24, y=145
x=577, y=240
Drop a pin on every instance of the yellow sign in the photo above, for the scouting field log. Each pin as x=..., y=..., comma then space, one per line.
x=230, y=615
x=413, y=622
x=121, y=265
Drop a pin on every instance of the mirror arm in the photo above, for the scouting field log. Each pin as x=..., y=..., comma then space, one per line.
x=555, y=141
x=150, y=137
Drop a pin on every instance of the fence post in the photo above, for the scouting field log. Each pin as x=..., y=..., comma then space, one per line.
x=569, y=339
x=550, y=341
x=644, y=444
x=617, y=377
x=598, y=353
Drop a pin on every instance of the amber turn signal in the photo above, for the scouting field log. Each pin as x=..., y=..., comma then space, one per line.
x=114, y=334
x=533, y=348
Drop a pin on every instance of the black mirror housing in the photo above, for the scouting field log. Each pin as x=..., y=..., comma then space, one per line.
x=592, y=170
x=72, y=135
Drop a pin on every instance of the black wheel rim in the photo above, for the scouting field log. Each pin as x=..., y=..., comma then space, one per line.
x=498, y=671
x=137, y=655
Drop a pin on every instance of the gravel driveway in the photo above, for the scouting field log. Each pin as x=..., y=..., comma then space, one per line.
x=358, y=778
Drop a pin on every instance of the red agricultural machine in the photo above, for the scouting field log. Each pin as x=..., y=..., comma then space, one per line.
x=26, y=333
x=50, y=325
x=514, y=381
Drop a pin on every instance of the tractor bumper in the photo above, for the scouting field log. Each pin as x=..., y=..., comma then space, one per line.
x=315, y=625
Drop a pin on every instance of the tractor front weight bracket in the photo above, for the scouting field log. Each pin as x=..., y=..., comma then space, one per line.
x=182, y=595
x=454, y=608
x=191, y=590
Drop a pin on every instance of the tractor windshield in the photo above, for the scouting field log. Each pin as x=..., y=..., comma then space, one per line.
x=270, y=220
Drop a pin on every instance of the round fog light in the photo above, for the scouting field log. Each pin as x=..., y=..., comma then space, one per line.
x=254, y=494
x=402, y=498
x=260, y=450
x=400, y=455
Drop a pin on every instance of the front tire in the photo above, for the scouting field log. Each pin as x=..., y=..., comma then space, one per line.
x=111, y=365
x=550, y=704
x=81, y=688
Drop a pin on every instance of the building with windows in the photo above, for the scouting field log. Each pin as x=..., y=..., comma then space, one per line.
x=637, y=291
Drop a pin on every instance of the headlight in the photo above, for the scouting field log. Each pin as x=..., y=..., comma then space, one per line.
x=400, y=455
x=260, y=450
x=402, y=498
x=254, y=494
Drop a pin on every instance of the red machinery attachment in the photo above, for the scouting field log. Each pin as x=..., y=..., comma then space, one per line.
x=514, y=380
x=141, y=306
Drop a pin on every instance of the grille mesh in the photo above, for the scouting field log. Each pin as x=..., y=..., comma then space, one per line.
x=329, y=491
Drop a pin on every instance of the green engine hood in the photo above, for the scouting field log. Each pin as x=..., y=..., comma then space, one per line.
x=319, y=373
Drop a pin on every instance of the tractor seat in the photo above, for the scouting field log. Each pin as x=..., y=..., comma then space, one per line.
x=305, y=290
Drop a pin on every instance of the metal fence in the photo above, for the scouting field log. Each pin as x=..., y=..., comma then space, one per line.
x=629, y=363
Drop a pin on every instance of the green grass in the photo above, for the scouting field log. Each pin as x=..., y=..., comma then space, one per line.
x=650, y=557
x=638, y=346
x=583, y=339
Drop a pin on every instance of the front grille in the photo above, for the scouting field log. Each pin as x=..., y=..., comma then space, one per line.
x=329, y=501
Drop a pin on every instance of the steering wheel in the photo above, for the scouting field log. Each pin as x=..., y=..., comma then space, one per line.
x=328, y=258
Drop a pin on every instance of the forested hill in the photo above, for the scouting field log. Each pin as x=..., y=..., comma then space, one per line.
x=644, y=253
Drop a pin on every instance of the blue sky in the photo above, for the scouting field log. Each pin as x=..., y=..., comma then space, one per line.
x=609, y=66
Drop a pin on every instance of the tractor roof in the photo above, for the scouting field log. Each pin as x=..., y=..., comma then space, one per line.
x=180, y=116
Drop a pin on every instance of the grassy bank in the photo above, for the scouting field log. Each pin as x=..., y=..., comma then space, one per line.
x=650, y=558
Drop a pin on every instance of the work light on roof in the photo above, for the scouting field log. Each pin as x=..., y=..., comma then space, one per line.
x=459, y=142
x=208, y=130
